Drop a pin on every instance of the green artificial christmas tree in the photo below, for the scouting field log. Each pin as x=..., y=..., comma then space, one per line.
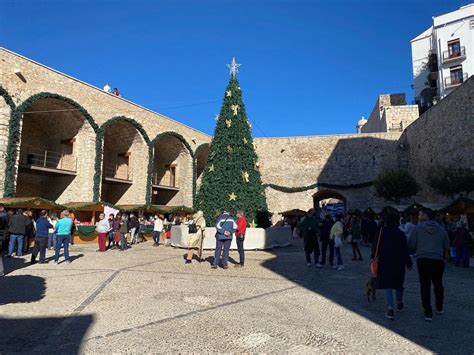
x=231, y=178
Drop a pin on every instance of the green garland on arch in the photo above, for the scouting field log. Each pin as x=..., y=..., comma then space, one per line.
x=315, y=185
x=99, y=151
x=8, y=99
x=14, y=134
x=150, y=165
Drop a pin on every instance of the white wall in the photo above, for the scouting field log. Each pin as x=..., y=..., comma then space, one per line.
x=419, y=50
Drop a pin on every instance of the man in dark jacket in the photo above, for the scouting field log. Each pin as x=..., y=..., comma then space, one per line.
x=226, y=228
x=41, y=238
x=431, y=244
x=325, y=241
x=17, y=229
x=133, y=224
x=309, y=228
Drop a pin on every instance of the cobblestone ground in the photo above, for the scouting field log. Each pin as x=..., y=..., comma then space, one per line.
x=147, y=300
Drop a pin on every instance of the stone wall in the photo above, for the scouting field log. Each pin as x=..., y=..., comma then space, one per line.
x=36, y=78
x=397, y=118
x=443, y=135
x=338, y=160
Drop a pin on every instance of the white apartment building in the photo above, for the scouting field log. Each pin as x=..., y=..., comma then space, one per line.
x=443, y=56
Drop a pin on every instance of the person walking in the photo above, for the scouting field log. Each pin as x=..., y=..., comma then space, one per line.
x=309, y=228
x=63, y=236
x=41, y=239
x=3, y=234
x=103, y=228
x=326, y=242
x=123, y=232
x=157, y=229
x=356, y=238
x=430, y=243
x=134, y=225
x=462, y=240
x=195, y=239
x=17, y=226
x=226, y=228
x=116, y=236
x=240, y=237
x=336, y=234
x=390, y=248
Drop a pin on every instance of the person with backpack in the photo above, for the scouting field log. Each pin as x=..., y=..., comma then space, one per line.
x=226, y=228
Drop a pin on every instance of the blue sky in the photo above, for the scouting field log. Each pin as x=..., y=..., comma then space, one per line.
x=309, y=67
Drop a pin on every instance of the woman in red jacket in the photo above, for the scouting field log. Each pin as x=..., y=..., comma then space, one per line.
x=240, y=236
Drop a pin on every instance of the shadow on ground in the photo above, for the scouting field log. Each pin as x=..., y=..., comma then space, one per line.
x=43, y=335
x=447, y=334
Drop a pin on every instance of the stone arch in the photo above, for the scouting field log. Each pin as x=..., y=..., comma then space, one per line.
x=123, y=157
x=172, y=174
x=322, y=195
x=201, y=154
x=62, y=175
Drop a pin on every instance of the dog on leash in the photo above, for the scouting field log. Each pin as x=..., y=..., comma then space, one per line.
x=370, y=288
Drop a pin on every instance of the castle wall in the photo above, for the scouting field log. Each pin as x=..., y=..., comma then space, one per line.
x=443, y=135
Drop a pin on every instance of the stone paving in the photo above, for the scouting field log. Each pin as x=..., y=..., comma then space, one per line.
x=147, y=300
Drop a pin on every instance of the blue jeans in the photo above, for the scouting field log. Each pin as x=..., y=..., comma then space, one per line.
x=389, y=296
x=62, y=240
x=156, y=237
x=338, y=255
x=240, y=248
x=222, y=247
x=51, y=240
x=11, y=245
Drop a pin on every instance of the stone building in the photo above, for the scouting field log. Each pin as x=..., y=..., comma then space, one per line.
x=68, y=141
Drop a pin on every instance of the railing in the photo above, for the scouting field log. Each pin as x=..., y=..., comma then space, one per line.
x=165, y=180
x=450, y=56
x=118, y=171
x=49, y=159
x=451, y=82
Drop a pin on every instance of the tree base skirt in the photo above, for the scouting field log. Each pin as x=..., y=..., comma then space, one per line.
x=255, y=239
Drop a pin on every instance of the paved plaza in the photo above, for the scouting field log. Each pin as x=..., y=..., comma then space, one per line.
x=147, y=300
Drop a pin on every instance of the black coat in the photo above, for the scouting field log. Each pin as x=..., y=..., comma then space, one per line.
x=393, y=258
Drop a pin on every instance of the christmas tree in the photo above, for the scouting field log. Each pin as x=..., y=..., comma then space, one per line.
x=231, y=178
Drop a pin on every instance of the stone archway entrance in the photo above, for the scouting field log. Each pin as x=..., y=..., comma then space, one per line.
x=57, y=152
x=172, y=178
x=329, y=202
x=124, y=166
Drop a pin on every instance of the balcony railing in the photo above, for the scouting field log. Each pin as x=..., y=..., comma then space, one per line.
x=166, y=180
x=42, y=158
x=116, y=171
x=450, y=82
x=454, y=55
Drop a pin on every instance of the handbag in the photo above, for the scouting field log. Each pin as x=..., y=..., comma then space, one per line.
x=337, y=241
x=192, y=228
x=374, y=264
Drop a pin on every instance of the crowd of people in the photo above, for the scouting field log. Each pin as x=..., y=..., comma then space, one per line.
x=394, y=241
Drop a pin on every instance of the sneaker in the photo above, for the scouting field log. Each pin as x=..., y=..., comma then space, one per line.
x=439, y=310
x=340, y=268
x=390, y=314
x=213, y=266
x=308, y=264
x=33, y=261
x=225, y=267
x=188, y=262
x=335, y=267
x=68, y=261
x=400, y=306
x=56, y=262
x=428, y=316
x=238, y=265
x=318, y=265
